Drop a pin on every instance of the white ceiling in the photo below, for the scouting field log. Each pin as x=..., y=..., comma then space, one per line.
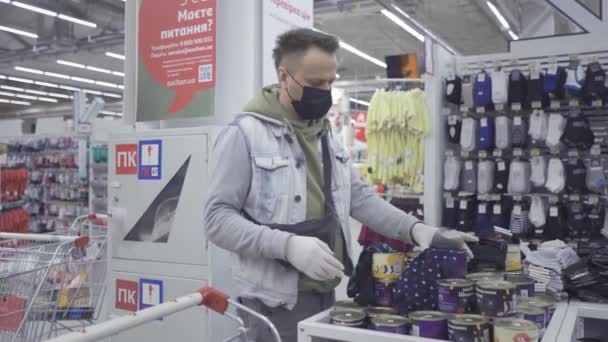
x=466, y=25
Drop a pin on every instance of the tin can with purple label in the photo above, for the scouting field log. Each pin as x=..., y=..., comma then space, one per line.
x=469, y=328
x=454, y=295
x=348, y=319
x=551, y=303
x=429, y=324
x=533, y=314
x=523, y=284
x=495, y=298
x=383, y=292
x=539, y=302
x=390, y=324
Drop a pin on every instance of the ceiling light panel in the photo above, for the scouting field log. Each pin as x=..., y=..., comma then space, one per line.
x=19, y=32
x=394, y=18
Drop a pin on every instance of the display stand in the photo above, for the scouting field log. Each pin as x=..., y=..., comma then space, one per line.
x=582, y=320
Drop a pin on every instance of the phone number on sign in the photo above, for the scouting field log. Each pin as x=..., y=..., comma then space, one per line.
x=197, y=41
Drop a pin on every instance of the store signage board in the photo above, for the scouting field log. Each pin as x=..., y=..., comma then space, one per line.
x=279, y=16
x=126, y=159
x=127, y=294
x=176, y=70
x=150, y=293
x=150, y=154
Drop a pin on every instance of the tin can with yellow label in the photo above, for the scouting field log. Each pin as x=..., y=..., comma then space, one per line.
x=514, y=330
x=388, y=266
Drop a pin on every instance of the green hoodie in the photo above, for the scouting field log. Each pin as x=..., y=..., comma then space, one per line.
x=267, y=103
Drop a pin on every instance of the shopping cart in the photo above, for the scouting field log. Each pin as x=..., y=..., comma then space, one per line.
x=209, y=297
x=49, y=283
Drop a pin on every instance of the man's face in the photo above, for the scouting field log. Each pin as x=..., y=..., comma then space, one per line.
x=316, y=68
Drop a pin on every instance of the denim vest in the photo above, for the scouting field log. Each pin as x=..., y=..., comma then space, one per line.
x=278, y=194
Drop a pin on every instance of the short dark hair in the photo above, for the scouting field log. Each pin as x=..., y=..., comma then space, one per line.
x=298, y=41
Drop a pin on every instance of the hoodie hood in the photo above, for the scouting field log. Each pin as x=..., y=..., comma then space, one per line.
x=266, y=103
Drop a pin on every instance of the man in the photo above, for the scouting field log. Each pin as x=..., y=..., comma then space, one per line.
x=282, y=192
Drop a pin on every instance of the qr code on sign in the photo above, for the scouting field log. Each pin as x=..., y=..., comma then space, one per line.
x=205, y=73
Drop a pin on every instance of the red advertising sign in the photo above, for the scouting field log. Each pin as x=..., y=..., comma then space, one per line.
x=127, y=295
x=126, y=159
x=12, y=312
x=177, y=45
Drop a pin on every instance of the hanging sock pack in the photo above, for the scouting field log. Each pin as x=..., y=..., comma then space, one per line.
x=501, y=176
x=504, y=128
x=454, y=126
x=468, y=183
x=452, y=167
x=556, y=176
x=483, y=90
x=555, y=79
x=500, y=85
x=518, y=91
x=578, y=133
x=595, y=79
x=467, y=92
x=520, y=132
x=576, y=175
x=453, y=90
x=485, y=176
x=539, y=126
x=486, y=133
x=519, y=177
x=538, y=165
x=574, y=80
x=596, y=177
x=468, y=136
x=555, y=129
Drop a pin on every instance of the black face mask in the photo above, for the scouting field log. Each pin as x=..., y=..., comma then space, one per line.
x=315, y=102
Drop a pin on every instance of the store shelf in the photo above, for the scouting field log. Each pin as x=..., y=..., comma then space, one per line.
x=554, y=327
x=573, y=326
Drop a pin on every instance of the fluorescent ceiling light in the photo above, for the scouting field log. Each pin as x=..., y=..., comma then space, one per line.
x=69, y=88
x=27, y=97
x=113, y=95
x=115, y=55
x=19, y=79
x=498, y=15
x=107, y=112
x=4, y=93
x=362, y=54
x=357, y=101
x=22, y=103
x=19, y=32
x=67, y=77
x=11, y=88
x=77, y=21
x=390, y=15
x=94, y=92
x=6, y=1
x=81, y=79
x=63, y=96
x=37, y=92
x=46, y=99
x=33, y=71
x=46, y=84
x=92, y=68
x=54, y=74
x=72, y=64
x=513, y=35
x=34, y=8
x=89, y=67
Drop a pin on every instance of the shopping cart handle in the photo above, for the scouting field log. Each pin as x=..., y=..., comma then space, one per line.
x=214, y=299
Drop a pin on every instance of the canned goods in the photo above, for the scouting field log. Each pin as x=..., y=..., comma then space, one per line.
x=377, y=311
x=539, y=302
x=347, y=319
x=346, y=305
x=454, y=295
x=550, y=300
x=533, y=314
x=390, y=324
x=485, y=276
x=469, y=328
x=383, y=292
x=495, y=298
x=388, y=265
x=523, y=284
x=429, y=324
x=515, y=330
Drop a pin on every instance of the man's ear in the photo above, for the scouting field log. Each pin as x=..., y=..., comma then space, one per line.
x=282, y=75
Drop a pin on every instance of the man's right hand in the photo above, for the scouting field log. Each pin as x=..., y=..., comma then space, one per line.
x=313, y=257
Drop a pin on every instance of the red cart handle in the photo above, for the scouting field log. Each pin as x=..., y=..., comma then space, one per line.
x=214, y=299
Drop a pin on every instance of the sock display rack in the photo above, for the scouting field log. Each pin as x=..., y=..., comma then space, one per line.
x=14, y=178
x=55, y=191
x=572, y=195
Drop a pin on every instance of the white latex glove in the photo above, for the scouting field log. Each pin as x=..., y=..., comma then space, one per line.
x=427, y=236
x=313, y=257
